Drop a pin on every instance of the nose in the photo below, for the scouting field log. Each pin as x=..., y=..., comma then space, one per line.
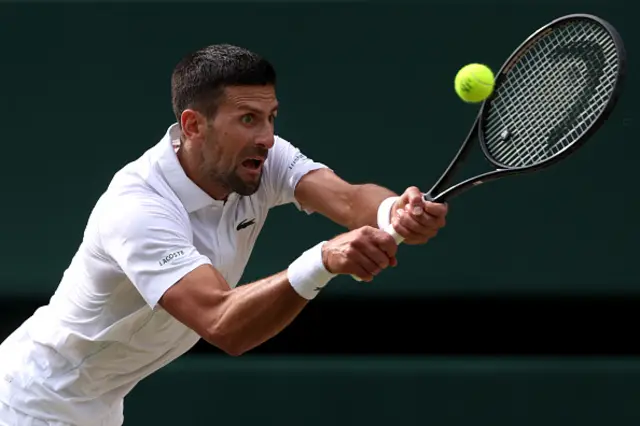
x=266, y=139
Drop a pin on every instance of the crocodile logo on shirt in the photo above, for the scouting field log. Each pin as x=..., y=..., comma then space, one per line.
x=245, y=223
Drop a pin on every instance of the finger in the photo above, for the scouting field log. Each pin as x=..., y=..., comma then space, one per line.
x=406, y=233
x=361, y=273
x=364, y=266
x=378, y=254
x=425, y=226
x=386, y=244
x=380, y=239
x=424, y=219
x=415, y=200
x=436, y=209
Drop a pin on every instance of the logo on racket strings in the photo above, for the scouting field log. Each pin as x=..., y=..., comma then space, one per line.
x=591, y=54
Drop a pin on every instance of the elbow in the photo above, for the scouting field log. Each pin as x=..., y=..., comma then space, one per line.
x=226, y=341
x=219, y=330
x=233, y=350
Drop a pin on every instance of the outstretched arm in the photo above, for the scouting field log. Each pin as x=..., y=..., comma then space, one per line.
x=237, y=320
x=234, y=320
x=353, y=206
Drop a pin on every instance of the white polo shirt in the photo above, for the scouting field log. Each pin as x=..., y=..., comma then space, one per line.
x=76, y=358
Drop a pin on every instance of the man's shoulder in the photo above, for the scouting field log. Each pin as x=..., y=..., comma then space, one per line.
x=137, y=215
x=135, y=199
x=282, y=145
x=140, y=183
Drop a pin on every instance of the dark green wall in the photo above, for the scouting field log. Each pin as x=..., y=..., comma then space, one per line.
x=364, y=88
x=383, y=392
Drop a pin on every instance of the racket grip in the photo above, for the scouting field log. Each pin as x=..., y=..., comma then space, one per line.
x=391, y=231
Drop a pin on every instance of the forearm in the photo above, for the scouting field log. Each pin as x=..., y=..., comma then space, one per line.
x=349, y=205
x=363, y=205
x=252, y=314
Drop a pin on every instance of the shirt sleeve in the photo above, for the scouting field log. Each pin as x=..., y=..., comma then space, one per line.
x=286, y=166
x=152, y=243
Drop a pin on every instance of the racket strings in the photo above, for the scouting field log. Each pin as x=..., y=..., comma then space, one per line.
x=550, y=91
x=552, y=95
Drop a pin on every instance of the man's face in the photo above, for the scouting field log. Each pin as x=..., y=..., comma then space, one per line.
x=238, y=138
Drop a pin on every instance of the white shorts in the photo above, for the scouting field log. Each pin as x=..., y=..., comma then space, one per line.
x=12, y=417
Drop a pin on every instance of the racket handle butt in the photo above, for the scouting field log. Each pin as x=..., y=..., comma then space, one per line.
x=397, y=237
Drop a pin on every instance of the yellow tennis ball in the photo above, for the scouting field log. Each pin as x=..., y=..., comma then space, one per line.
x=474, y=83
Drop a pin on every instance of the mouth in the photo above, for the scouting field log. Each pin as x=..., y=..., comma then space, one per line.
x=253, y=163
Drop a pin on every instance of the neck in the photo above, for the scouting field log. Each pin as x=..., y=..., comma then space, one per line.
x=191, y=163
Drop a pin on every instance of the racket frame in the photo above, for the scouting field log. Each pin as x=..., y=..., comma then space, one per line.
x=476, y=130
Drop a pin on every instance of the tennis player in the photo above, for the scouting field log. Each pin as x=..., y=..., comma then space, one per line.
x=166, y=245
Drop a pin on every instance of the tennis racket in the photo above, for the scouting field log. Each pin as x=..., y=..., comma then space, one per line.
x=552, y=94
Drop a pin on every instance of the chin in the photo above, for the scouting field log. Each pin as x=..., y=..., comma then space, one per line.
x=247, y=188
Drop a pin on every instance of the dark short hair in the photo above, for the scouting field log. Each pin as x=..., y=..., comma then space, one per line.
x=199, y=78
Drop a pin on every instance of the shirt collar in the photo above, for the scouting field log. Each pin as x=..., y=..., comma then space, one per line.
x=192, y=197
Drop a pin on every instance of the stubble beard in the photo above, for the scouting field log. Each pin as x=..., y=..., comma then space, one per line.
x=230, y=181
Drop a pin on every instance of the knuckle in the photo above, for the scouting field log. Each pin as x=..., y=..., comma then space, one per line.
x=366, y=230
x=349, y=252
x=388, y=240
x=405, y=218
x=390, y=251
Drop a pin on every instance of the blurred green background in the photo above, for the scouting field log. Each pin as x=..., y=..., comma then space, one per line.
x=366, y=88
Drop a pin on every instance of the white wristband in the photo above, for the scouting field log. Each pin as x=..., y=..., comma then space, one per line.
x=384, y=212
x=307, y=273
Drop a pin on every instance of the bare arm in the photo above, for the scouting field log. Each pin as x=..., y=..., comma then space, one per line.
x=349, y=205
x=353, y=206
x=235, y=320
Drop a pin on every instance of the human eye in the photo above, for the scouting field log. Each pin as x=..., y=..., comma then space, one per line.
x=247, y=119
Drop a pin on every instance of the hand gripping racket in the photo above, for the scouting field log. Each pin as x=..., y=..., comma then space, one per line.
x=552, y=94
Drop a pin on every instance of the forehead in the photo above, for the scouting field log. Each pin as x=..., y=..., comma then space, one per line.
x=250, y=97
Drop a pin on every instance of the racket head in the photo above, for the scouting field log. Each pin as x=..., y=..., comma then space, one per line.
x=553, y=93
